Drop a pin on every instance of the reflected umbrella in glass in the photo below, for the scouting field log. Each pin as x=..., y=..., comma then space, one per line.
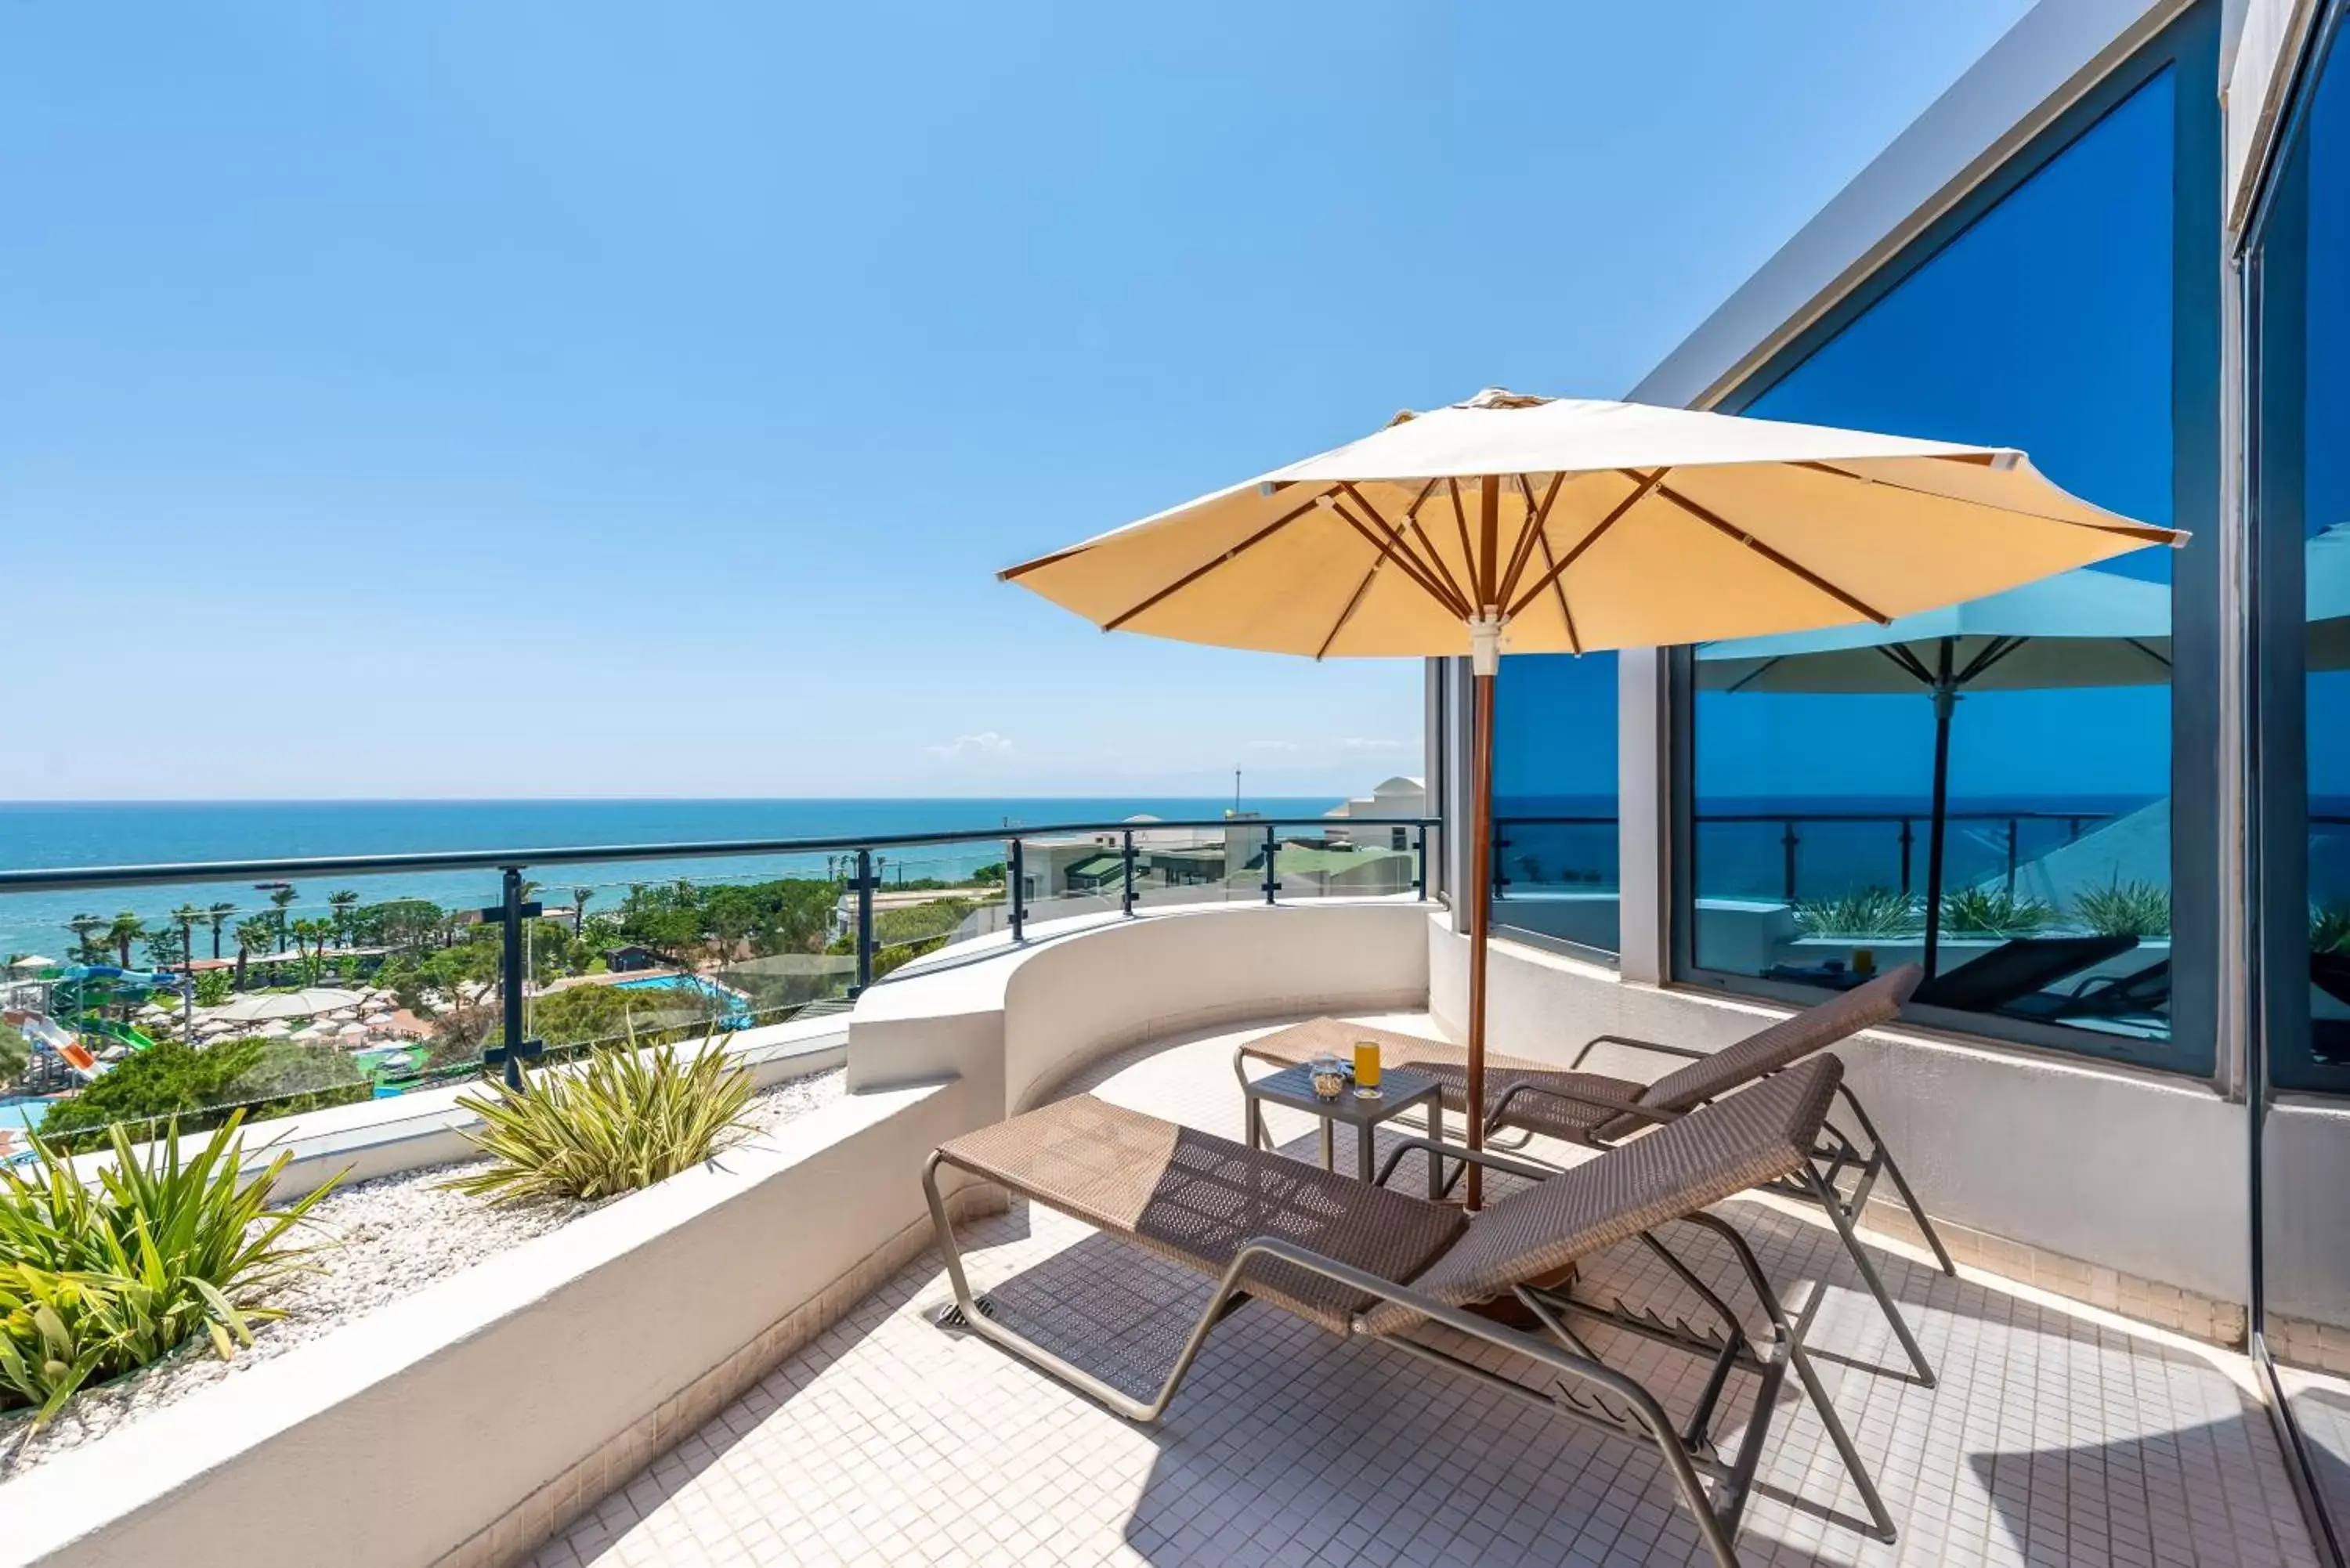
x=2083, y=628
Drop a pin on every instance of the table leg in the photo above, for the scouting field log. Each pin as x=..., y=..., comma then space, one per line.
x=1251, y=1121
x=1436, y=1135
x=1364, y=1154
x=1328, y=1159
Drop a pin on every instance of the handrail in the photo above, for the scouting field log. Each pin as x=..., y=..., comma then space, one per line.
x=63, y=879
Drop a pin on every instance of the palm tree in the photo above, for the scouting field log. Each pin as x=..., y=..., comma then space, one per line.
x=259, y=932
x=218, y=915
x=89, y=945
x=281, y=898
x=187, y=917
x=310, y=938
x=580, y=897
x=126, y=928
x=342, y=901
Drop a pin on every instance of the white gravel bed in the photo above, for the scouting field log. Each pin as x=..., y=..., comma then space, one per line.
x=379, y=1240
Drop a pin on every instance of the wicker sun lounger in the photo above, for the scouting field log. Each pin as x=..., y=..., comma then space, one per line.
x=1598, y=1110
x=1358, y=1259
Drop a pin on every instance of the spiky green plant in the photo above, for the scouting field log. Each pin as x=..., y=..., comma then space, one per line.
x=2329, y=929
x=1994, y=912
x=2125, y=909
x=1866, y=912
x=625, y=1120
x=169, y=1246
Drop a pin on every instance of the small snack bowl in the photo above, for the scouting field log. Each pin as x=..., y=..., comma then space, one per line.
x=1329, y=1076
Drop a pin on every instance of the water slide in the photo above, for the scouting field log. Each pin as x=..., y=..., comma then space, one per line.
x=121, y=1032
x=50, y=1036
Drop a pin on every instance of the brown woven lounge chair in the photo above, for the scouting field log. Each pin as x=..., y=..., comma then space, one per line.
x=1597, y=1110
x=1358, y=1259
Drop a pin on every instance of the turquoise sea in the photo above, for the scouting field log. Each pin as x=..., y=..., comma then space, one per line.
x=53, y=833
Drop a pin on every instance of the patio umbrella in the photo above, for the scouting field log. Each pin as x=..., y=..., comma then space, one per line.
x=2082, y=630
x=1565, y=525
x=313, y=1003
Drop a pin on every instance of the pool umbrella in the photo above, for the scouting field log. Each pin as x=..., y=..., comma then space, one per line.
x=1564, y=525
x=313, y=1003
x=2082, y=630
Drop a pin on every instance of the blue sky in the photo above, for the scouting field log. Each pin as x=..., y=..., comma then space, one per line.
x=513, y=399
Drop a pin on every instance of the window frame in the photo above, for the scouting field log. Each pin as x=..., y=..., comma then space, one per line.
x=2279, y=653
x=2188, y=48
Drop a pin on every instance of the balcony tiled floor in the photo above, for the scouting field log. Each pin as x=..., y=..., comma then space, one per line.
x=2058, y=1435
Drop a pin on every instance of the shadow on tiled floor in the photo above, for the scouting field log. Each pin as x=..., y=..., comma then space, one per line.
x=2055, y=1434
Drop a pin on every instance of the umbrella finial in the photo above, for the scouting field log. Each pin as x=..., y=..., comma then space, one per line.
x=1503, y=398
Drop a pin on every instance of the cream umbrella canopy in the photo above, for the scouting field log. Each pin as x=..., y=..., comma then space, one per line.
x=1539, y=526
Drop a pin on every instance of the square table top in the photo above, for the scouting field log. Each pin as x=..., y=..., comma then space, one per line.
x=1398, y=1087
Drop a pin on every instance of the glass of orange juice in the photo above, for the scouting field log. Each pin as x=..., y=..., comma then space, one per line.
x=1367, y=1069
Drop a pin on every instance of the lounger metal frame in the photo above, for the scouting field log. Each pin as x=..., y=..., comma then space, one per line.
x=1689, y=1452
x=1837, y=1154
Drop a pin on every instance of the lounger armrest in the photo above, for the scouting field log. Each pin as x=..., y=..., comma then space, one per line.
x=1455, y=1151
x=1598, y=1102
x=1658, y=1046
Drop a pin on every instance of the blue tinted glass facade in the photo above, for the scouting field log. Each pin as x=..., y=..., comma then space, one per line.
x=1554, y=796
x=2303, y=504
x=2048, y=321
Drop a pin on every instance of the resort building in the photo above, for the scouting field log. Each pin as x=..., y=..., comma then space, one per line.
x=2099, y=1312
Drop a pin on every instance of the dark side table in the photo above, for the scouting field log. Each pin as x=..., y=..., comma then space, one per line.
x=1399, y=1089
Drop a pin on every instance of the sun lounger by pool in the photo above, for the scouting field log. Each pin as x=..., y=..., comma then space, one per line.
x=1359, y=1260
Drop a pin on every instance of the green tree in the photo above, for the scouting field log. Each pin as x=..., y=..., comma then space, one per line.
x=310, y=938
x=257, y=933
x=340, y=904
x=218, y=916
x=580, y=897
x=187, y=917
x=166, y=948
x=201, y=1086
x=15, y=1053
x=280, y=901
x=89, y=942
x=126, y=928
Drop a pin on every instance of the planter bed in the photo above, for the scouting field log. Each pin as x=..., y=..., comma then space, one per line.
x=380, y=1241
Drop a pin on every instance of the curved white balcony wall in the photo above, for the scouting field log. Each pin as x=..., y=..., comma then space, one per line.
x=1019, y=1021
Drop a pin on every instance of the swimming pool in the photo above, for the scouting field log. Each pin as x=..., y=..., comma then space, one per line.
x=736, y=1013
x=24, y=1114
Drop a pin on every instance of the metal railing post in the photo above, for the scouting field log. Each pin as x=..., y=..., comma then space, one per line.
x=1017, y=879
x=1908, y=841
x=1420, y=873
x=1128, y=899
x=510, y=913
x=863, y=921
x=1787, y=841
x=2010, y=856
x=1496, y=874
x=1272, y=855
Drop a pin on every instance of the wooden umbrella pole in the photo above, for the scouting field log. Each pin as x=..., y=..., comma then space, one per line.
x=1479, y=890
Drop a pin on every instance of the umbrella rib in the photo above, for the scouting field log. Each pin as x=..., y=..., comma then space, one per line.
x=1468, y=550
x=1393, y=545
x=1011, y=573
x=2141, y=531
x=1537, y=519
x=1999, y=649
x=1558, y=568
x=2162, y=660
x=1784, y=562
x=1196, y=573
x=1353, y=604
x=1910, y=663
x=1574, y=638
x=1434, y=564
